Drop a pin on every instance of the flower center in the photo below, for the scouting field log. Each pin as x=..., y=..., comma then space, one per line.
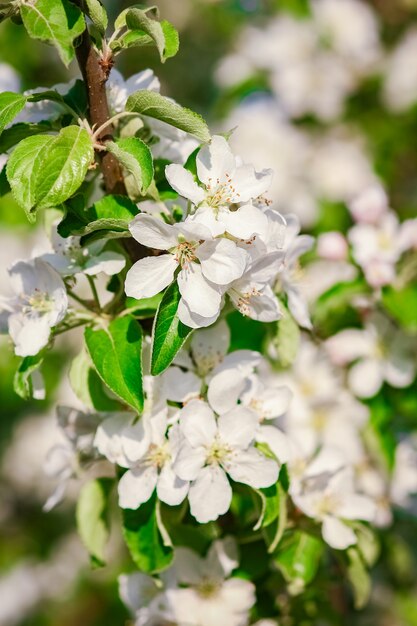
x=243, y=299
x=220, y=193
x=207, y=588
x=38, y=301
x=185, y=253
x=217, y=452
x=327, y=504
x=158, y=455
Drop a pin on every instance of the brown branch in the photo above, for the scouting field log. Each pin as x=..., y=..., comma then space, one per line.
x=95, y=75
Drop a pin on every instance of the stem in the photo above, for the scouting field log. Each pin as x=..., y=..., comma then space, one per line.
x=94, y=291
x=109, y=122
x=95, y=76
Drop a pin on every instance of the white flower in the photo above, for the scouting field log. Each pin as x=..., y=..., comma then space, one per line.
x=147, y=451
x=377, y=248
x=205, y=264
x=379, y=352
x=211, y=597
x=370, y=206
x=35, y=112
x=222, y=182
x=40, y=304
x=9, y=78
x=142, y=594
x=332, y=501
x=211, y=448
x=70, y=257
x=252, y=294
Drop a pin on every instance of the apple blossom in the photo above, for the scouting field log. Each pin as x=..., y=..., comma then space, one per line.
x=333, y=500
x=211, y=449
x=40, y=304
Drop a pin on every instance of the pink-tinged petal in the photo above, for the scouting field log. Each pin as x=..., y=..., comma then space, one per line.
x=221, y=261
x=214, y=161
x=210, y=495
x=336, y=534
x=252, y=468
x=136, y=486
x=200, y=296
x=182, y=181
x=152, y=232
x=170, y=488
x=150, y=276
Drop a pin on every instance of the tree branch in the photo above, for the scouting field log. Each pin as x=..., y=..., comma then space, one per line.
x=95, y=76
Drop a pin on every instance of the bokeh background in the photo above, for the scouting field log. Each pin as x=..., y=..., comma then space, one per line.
x=348, y=121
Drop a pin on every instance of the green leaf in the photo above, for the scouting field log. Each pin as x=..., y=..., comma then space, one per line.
x=117, y=356
x=333, y=309
x=136, y=158
x=91, y=515
x=163, y=34
x=287, y=339
x=112, y=213
x=359, y=578
x=298, y=558
x=10, y=105
x=58, y=22
x=44, y=171
x=87, y=385
x=269, y=506
x=11, y=136
x=22, y=382
x=168, y=333
x=147, y=307
x=402, y=305
x=144, y=539
x=23, y=169
x=156, y=106
x=97, y=14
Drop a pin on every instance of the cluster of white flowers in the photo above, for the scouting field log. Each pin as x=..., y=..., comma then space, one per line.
x=313, y=64
x=309, y=166
x=229, y=242
x=198, y=591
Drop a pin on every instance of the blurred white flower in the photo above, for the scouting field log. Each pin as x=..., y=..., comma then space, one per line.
x=378, y=352
x=400, y=86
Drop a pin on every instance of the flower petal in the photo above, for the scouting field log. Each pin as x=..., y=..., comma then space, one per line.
x=238, y=427
x=183, y=182
x=170, y=488
x=189, y=461
x=221, y=260
x=150, y=275
x=246, y=221
x=200, y=296
x=136, y=486
x=214, y=161
x=365, y=378
x=197, y=423
x=210, y=495
x=193, y=320
x=336, y=534
x=225, y=389
x=252, y=468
